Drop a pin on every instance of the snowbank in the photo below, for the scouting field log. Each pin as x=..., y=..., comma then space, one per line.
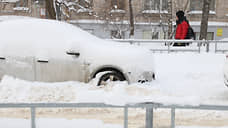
x=64, y=123
x=56, y=123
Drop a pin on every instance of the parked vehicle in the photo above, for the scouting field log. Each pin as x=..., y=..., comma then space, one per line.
x=53, y=51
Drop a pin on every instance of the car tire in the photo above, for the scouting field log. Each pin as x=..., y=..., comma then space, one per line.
x=109, y=77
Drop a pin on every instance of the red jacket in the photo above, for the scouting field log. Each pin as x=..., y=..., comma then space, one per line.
x=182, y=30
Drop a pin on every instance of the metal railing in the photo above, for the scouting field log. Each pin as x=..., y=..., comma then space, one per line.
x=150, y=106
x=168, y=45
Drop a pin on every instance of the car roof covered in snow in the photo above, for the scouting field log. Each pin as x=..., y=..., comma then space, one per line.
x=41, y=38
x=25, y=36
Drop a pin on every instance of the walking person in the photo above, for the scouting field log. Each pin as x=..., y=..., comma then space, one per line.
x=182, y=28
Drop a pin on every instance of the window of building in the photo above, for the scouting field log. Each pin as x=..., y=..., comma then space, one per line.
x=116, y=34
x=22, y=3
x=155, y=5
x=197, y=5
x=118, y=4
x=210, y=35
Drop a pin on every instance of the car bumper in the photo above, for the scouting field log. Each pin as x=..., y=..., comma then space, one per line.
x=142, y=77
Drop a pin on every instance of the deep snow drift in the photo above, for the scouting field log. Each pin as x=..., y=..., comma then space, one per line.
x=181, y=78
x=63, y=123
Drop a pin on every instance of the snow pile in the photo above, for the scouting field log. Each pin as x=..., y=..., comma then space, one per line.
x=64, y=123
x=186, y=79
x=10, y=1
x=56, y=123
x=15, y=90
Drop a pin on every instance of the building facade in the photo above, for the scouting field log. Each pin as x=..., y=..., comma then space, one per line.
x=110, y=18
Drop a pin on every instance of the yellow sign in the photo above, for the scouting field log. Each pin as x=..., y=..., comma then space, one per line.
x=219, y=31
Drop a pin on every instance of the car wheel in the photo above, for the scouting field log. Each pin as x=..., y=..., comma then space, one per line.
x=110, y=77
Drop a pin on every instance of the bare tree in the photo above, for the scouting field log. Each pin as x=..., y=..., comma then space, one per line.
x=50, y=9
x=204, y=21
x=114, y=18
x=186, y=6
x=131, y=19
x=170, y=25
x=61, y=9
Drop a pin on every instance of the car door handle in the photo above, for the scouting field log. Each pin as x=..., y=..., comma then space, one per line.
x=2, y=58
x=42, y=61
x=77, y=54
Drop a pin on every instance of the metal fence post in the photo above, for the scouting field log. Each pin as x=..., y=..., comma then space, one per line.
x=199, y=47
x=172, y=117
x=149, y=117
x=207, y=46
x=169, y=47
x=33, y=117
x=216, y=47
x=125, y=117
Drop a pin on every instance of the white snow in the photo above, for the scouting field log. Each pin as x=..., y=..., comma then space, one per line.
x=210, y=23
x=186, y=79
x=84, y=10
x=117, y=11
x=10, y=1
x=55, y=123
x=65, y=123
x=200, y=12
x=154, y=11
x=62, y=36
x=21, y=8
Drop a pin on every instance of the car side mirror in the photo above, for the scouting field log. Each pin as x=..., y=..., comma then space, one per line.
x=72, y=53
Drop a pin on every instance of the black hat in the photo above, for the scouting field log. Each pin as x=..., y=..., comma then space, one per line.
x=180, y=14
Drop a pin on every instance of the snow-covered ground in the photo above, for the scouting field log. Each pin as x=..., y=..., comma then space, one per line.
x=55, y=123
x=63, y=123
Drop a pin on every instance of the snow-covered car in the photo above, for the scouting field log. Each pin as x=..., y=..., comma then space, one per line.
x=53, y=51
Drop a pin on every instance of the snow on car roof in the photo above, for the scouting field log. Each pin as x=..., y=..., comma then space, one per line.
x=44, y=39
x=28, y=35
